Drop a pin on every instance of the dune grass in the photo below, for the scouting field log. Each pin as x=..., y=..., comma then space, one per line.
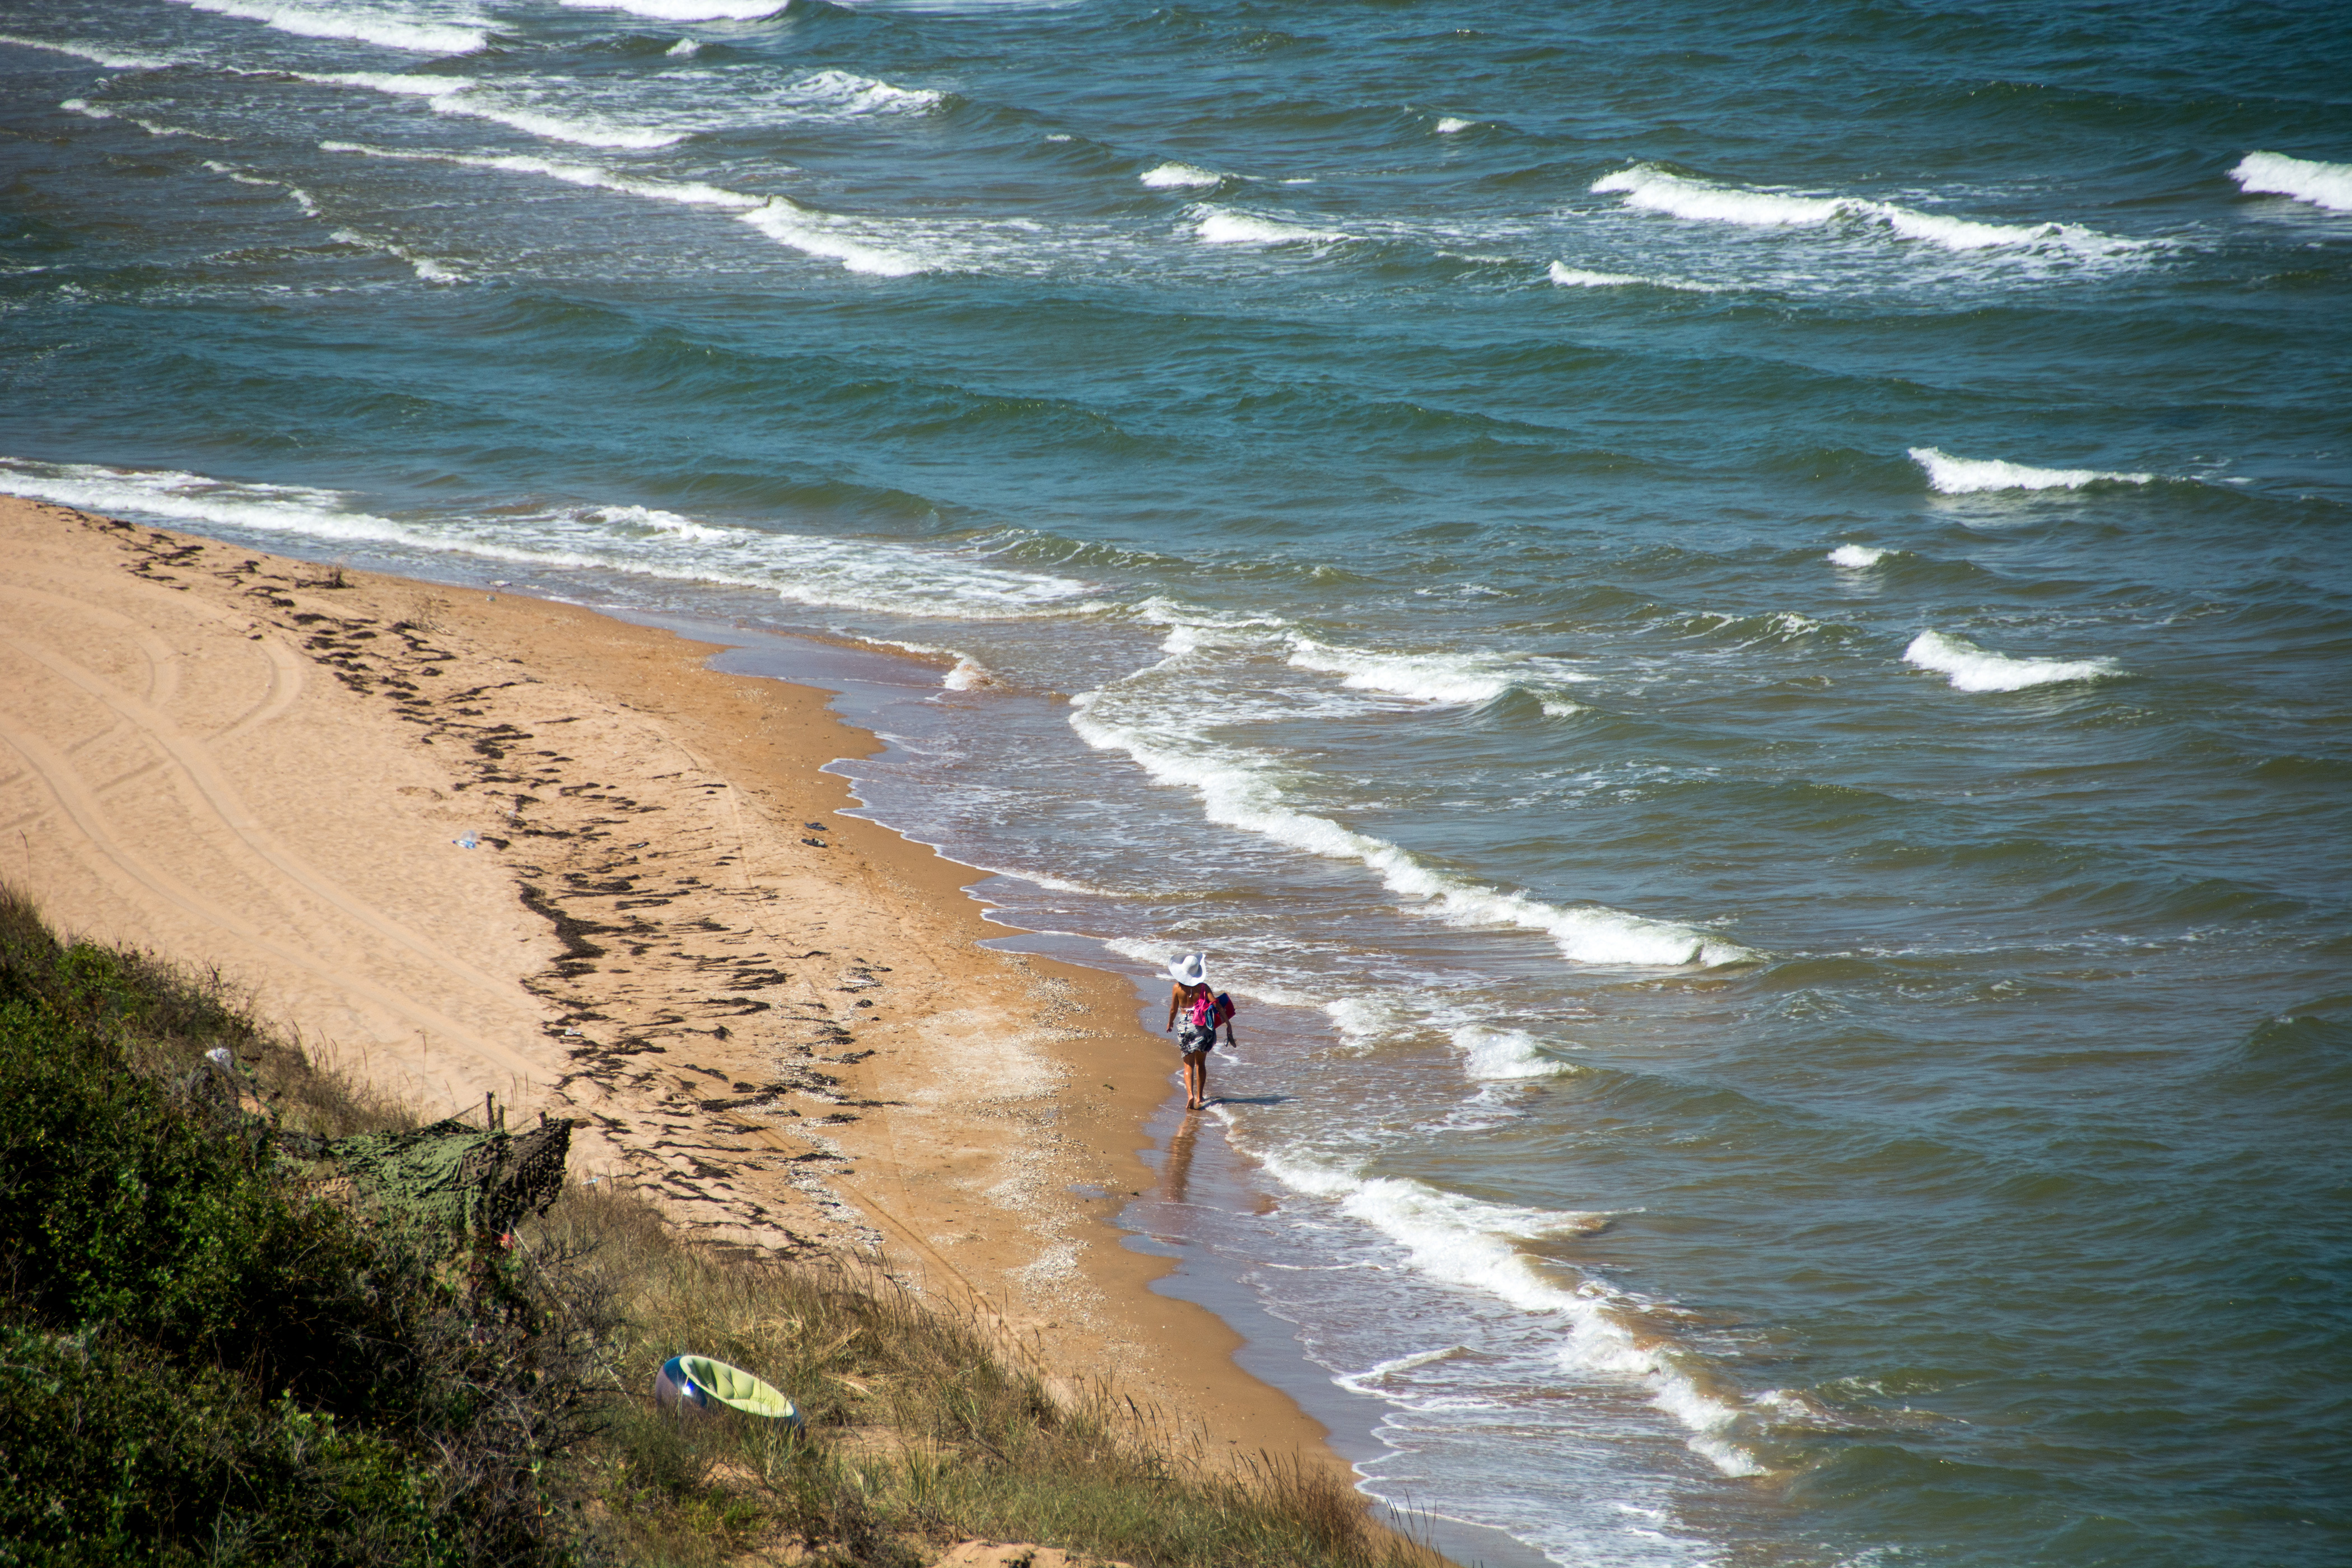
x=918, y=1430
x=203, y=1361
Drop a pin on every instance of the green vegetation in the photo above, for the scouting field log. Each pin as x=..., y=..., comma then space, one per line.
x=200, y=1364
x=204, y=1361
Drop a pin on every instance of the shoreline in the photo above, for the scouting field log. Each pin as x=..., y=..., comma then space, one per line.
x=223, y=757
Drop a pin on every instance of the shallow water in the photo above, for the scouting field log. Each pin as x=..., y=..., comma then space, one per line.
x=1730, y=625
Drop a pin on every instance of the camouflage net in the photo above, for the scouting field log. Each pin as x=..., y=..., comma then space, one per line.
x=457, y=1178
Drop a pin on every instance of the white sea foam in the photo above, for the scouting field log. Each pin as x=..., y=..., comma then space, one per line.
x=1454, y=124
x=1179, y=176
x=465, y=98
x=655, y=520
x=295, y=193
x=1966, y=476
x=1360, y=1382
x=394, y=28
x=153, y=127
x=1972, y=669
x=685, y=192
x=1366, y=1018
x=428, y=268
x=684, y=49
x=1655, y=190
x=1492, y=1054
x=100, y=54
x=2321, y=185
x=1430, y=678
x=869, y=574
x=1468, y=1245
x=580, y=131
x=1056, y=884
x=855, y=94
x=688, y=10
x=396, y=83
x=1855, y=557
x=1242, y=788
x=1576, y=277
x=967, y=674
x=834, y=237
x=1221, y=226
x=881, y=248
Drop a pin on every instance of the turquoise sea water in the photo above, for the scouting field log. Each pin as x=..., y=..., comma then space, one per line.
x=1731, y=623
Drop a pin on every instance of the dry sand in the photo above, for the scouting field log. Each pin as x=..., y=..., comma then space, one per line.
x=774, y=1021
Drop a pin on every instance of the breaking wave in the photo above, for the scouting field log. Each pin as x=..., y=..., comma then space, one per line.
x=1967, y=475
x=2321, y=185
x=1971, y=668
x=1464, y=1243
x=1239, y=787
x=1652, y=189
x=420, y=34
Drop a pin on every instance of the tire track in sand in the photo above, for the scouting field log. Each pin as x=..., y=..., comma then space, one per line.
x=82, y=807
x=197, y=766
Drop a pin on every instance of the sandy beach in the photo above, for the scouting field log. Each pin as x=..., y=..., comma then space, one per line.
x=472, y=846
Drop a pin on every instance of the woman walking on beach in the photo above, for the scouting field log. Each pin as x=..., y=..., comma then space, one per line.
x=1186, y=999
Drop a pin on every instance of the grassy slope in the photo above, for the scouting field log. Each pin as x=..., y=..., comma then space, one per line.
x=202, y=1362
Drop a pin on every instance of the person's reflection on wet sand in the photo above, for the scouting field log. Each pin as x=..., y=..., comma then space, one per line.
x=1178, y=1171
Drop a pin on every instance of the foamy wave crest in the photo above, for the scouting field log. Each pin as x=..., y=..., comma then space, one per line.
x=464, y=98
x=1466, y=1243
x=1240, y=788
x=100, y=53
x=193, y=498
x=1380, y=1372
x=395, y=28
x=428, y=268
x=2321, y=185
x=1453, y=125
x=89, y=111
x=1367, y=1018
x=645, y=542
x=835, y=239
x=1576, y=277
x=1855, y=557
x=805, y=229
x=1972, y=669
x=967, y=674
x=687, y=192
x=1966, y=476
x=1654, y=190
x=557, y=127
x=855, y=94
x=295, y=193
x=1494, y=1055
x=1432, y=678
x=688, y=10
x=1179, y=176
x=654, y=520
x=1220, y=226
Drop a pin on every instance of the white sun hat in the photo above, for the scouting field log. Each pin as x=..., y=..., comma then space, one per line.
x=1191, y=969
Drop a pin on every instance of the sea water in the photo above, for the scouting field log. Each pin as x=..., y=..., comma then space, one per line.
x=1730, y=624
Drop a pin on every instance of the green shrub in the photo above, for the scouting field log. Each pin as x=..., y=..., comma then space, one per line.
x=201, y=1361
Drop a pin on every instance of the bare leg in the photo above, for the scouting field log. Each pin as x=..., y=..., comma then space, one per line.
x=1196, y=1078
